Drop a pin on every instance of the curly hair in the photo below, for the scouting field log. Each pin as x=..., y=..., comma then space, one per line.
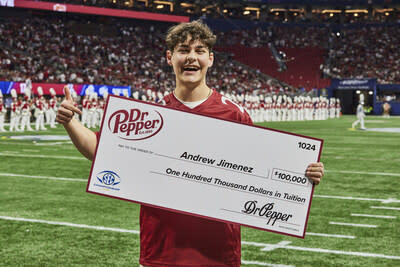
x=197, y=30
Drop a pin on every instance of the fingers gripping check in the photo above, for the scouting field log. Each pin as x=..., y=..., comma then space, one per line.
x=315, y=171
x=67, y=108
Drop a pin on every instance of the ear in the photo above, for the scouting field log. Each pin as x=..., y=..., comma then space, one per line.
x=169, y=56
x=211, y=59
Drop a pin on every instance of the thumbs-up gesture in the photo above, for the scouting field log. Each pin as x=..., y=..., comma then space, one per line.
x=67, y=108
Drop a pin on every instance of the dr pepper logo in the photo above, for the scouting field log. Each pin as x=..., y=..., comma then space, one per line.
x=135, y=124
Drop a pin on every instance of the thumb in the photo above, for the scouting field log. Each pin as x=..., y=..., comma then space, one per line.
x=67, y=94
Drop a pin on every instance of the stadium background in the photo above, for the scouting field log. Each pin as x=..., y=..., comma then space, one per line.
x=308, y=48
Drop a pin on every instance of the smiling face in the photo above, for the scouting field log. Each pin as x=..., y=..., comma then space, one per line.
x=190, y=61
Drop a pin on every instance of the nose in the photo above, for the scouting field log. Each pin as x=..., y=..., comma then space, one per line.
x=191, y=56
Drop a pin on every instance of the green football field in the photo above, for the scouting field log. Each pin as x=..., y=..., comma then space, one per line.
x=48, y=219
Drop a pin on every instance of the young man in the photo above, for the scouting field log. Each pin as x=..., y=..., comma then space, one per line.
x=169, y=238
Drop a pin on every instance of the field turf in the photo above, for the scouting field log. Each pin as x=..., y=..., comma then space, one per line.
x=48, y=219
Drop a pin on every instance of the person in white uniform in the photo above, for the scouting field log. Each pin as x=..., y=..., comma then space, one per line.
x=360, y=115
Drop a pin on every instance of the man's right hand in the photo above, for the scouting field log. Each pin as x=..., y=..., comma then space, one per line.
x=67, y=109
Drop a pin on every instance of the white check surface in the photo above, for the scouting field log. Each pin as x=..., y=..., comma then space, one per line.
x=204, y=166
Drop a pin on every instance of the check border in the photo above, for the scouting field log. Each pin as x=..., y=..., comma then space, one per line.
x=98, y=136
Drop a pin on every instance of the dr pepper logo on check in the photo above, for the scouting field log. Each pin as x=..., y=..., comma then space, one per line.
x=135, y=124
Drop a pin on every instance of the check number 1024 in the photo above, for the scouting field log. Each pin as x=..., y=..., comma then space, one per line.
x=306, y=146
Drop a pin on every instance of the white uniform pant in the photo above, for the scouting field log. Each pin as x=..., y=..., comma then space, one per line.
x=52, y=118
x=14, y=121
x=40, y=122
x=94, y=118
x=360, y=121
x=47, y=116
x=2, y=122
x=25, y=121
x=85, y=117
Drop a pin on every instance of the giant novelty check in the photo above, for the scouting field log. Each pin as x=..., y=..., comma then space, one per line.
x=207, y=167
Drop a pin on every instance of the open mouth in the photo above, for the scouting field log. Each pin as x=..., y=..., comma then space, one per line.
x=191, y=68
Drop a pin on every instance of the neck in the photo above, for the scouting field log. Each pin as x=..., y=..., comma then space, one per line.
x=192, y=93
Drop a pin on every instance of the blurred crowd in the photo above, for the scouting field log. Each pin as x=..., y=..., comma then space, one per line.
x=356, y=52
x=371, y=52
x=46, y=50
x=291, y=37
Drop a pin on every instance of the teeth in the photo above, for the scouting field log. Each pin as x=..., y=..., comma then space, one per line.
x=190, y=69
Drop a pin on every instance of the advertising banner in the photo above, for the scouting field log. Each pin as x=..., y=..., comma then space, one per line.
x=60, y=7
x=101, y=89
x=352, y=84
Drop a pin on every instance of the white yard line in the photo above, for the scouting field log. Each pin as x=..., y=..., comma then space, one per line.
x=319, y=250
x=366, y=173
x=281, y=245
x=385, y=208
x=389, y=200
x=331, y=235
x=265, y=264
x=348, y=253
x=71, y=225
x=358, y=158
x=39, y=156
x=53, y=143
x=43, y=177
x=354, y=224
x=373, y=216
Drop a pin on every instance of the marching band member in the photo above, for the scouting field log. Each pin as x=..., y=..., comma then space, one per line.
x=40, y=110
x=75, y=98
x=324, y=108
x=278, y=108
x=290, y=109
x=3, y=112
x=308, y=106
x=15, y=111
x=317, y=107
x=85, y=109
x=102, y=106
x=300, y=108
x=284, y=108
x=93, y=115
x=273, y=108
x=332, y=108
x=26, y=113
x=338, y=108
x=52, y=111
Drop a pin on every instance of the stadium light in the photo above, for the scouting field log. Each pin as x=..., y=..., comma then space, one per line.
x=327, y=11
x=256, y=9
x=357, y=11
x=164, y=3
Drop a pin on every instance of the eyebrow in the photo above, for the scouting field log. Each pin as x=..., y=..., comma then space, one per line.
x=187, y=46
